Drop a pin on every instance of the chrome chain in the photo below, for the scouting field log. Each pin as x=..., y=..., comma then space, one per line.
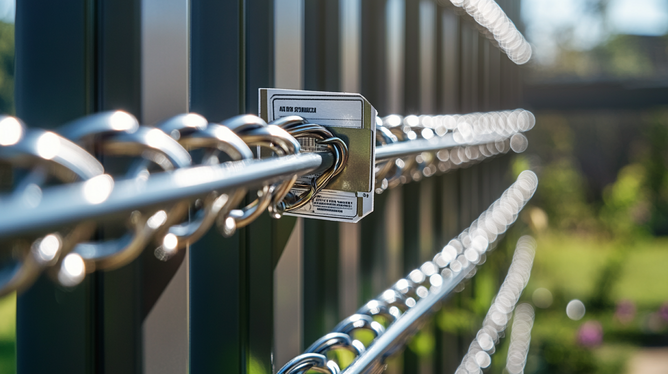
x=495, y=24
x=187, y=140
x=500, y=312
x=462, y=254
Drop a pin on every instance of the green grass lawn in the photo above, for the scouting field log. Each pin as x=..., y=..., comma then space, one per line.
x=7, y=334
x=645, y=277
x=570, y=265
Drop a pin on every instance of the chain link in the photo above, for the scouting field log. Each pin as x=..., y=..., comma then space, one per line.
x=495, y=24
x=500, y=312
x=189, y=140
x=460, y=256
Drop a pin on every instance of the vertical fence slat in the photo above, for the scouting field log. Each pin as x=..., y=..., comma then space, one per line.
x=372, y=256
x=259, y=248
x=321, y=272
x=321, y=238
x=164, y=93
x=216, y=299
x=49, y=92
x=119, y=292
x=373, y=65
x=349, y=233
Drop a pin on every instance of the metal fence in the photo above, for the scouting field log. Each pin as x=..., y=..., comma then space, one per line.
x=251, y=302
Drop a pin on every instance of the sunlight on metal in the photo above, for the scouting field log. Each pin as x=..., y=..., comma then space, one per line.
x=72, y=270
x=48, y=145
x=195, y=121
x=489, y=15
x=122, y=121
x=520, y=338
x=97, y=189
x=499, y=314
x=170, y=242
x=48, y=248
x=11, y=131
x=435, y=280
x=157, y=220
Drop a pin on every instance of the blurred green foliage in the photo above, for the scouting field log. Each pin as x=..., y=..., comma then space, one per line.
x=635, y=204
x=625, y=205
x=8, y=334
x=424, y=341
x=568, y=266
x=620, y=57
x=623, y=57
x=655, y=163
x=7, y=68
x=7, y=303
x=603, y=245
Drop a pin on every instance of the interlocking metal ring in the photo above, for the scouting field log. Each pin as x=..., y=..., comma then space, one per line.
x=406, y=287
x=359, y=321
x=335, y=340
x=49, y=155
x=310, y=361
x=254, y=131
x=410, y=129
x=393, y=298
x=388, y=172
x=122, y=136
x=378, y=308
x=193, y=132
x=299, y=128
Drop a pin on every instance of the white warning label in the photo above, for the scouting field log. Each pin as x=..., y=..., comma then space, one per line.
x=328, y=111
x=335, y=205
x=348, y=196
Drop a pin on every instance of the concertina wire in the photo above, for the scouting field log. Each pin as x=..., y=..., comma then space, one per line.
x=42, y=159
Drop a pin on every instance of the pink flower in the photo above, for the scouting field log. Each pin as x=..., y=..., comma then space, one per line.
x=625, y=312
x=590, y=334
x=663, y=311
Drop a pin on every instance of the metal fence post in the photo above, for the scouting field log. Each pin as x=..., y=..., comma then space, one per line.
x=349, y=233
x=216, y=266
x=234, y=333
x=100, y=68
x=119, y=292
x=261, y=245
x=373, y=65
x=321, y=238
x=47, y=96
x=49, y=93
x=373, y=72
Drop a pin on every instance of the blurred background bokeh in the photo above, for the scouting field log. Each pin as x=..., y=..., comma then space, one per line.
x=8, y=303
x=598, y=85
